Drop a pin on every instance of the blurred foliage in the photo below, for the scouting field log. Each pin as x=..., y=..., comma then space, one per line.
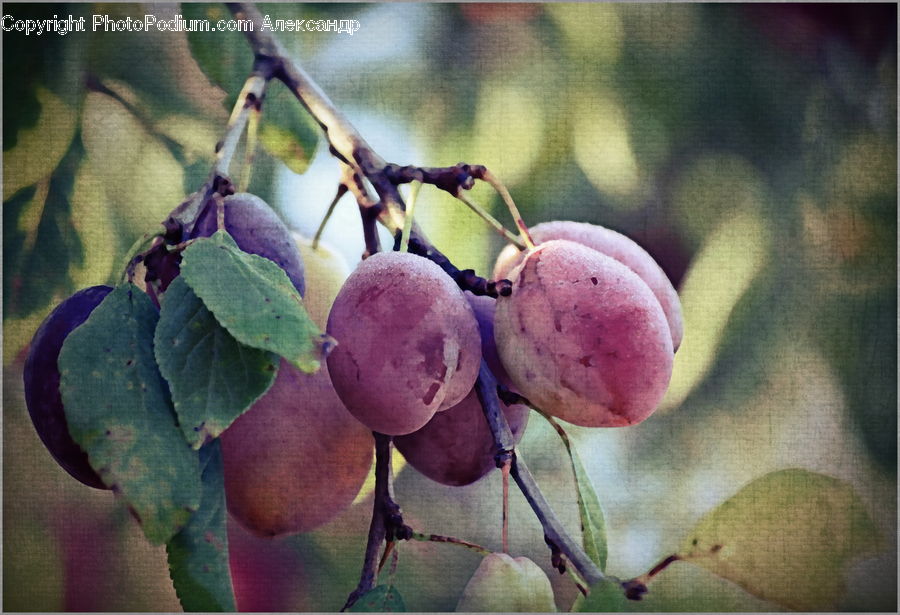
x=751, y=149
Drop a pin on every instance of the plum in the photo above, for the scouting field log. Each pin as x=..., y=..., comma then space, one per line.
x=504, y=584
x=324, y=272
x=612, y=244
x=296, y=458
x=256, y=229
x=456, y=446
x=583, y=337
x=41, y=378
x=407, y=343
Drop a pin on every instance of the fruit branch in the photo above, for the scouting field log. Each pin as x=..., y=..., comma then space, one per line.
x=387, y=520
x=466, y=279
x=181, y=220
x=352, y=150
x=554, y=533
x=450, y=540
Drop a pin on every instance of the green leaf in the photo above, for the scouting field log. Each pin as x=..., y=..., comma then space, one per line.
x=382, y=599
x=287, y=130
x=213, y=377
x=253, y=299
x=593, y=524
x=118, y=410
x=786, y=537
x=198, y=554
x=225, y=57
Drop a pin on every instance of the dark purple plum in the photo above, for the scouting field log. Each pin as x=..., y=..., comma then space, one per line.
x=256, y=229
x=42, y=382
x=456, y=447
x=484, y=308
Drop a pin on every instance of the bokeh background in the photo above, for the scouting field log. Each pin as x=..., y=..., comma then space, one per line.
x=751, y=149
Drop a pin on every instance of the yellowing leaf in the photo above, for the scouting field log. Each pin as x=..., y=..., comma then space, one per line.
x=90, y=217
x=141, y=178
x=786, y=537
x=39, y=149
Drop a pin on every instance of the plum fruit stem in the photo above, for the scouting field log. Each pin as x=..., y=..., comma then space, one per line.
x=248, y=100
x=410, y=212
x=341, y=191
x=505, y=531
x=349, y=147
x=491, y=220
x=511, y=205
x=450, y=540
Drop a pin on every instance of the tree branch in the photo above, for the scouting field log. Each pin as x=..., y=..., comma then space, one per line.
x=350, y=148
x=180, y=221
x=555, y=534
x=378, y=526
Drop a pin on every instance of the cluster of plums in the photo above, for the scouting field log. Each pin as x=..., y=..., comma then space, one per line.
x=587, y=335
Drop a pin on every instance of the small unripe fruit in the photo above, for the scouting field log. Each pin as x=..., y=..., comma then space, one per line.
x=324, y=271
x=614, y=245
x=407, y=343
x=503, y=584
x=583, y=337
x=256, y=229
x=41, y=378
x=296, y=458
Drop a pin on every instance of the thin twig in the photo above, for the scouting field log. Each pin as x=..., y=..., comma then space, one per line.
x=248, y=100
x=249, y=149
x=450, y=540
x=555, y=533
x=341, y=191
x=492, y=221
x=466, y=279
x=511, y=205
x=505, y=531
x=410, y=212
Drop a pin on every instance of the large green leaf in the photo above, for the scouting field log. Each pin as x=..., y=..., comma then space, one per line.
x=253, y=299
x=213, y=377
x=198, y=554
x=382, y=599
x=786, y=537
x=288, y=132
x=118, y=410
x=225, y=57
